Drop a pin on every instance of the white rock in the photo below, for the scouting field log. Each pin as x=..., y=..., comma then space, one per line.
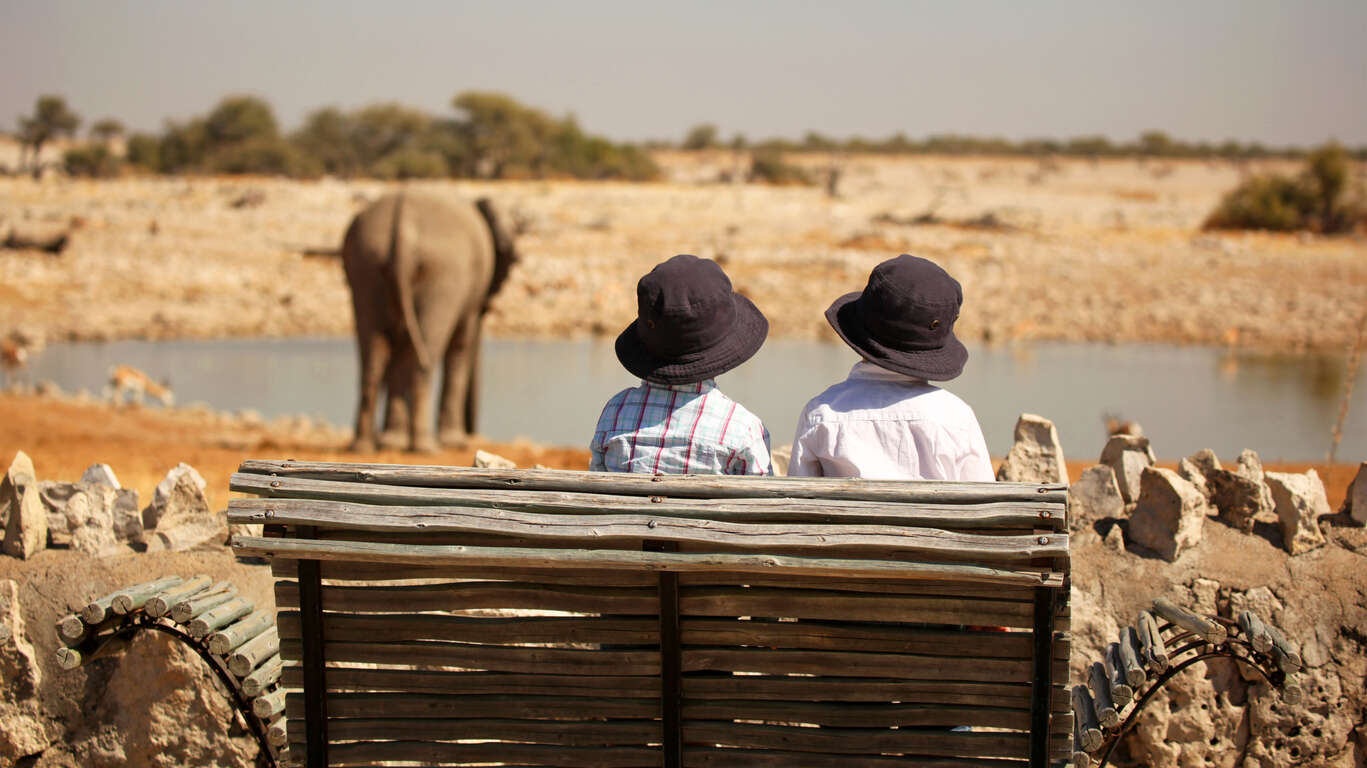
x=90, y=520
x=23, y=725
x=486, y=460
x=1355, y=502
x=1300, y=502
x=185, y=520
x=1094, y=496
x=1170, y=514
x=1240, y=493
x=100, y=473
x=1128, y=456
x=1115, y=539
x=25, y=518
x=152, y=515
x=1036, y=456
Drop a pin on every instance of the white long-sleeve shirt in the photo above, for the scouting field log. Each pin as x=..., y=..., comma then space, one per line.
x=884, y=425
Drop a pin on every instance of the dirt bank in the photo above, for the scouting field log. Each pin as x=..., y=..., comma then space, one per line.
x=1068, y=249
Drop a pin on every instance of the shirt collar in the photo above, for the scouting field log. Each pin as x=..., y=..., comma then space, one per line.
x=696, y=387
x=866, y=370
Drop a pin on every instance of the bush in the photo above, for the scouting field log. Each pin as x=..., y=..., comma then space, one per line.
x=263, y=156
x=95, y=161
x=768, y=166
x=1316, y=200
x=410, y=164
x=144, y=151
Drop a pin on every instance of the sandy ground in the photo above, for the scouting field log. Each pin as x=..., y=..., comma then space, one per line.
x=1066, y=249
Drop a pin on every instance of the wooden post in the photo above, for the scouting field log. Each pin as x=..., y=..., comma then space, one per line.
x=1042, y=681
x=671, y=661
x=315, y=683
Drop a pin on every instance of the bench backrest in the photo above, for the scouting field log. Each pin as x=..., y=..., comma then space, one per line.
x=466, y=616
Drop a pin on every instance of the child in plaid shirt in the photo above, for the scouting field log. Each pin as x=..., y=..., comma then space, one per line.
x=690, y=327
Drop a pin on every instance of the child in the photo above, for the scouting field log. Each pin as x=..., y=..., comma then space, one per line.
x=885, y=421
x=690, y=327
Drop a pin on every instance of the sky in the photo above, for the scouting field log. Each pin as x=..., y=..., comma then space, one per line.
x=1276, y=72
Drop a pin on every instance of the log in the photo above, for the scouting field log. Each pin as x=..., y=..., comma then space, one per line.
x=277, y=734
x=97, y=611
x=1130, y=656
x=1151, y=641
x=1288, y=660
x=187, y=609
x=250, y=655
x=130, y=600
x=1212, y=632
x=219, y=616
x=1084, y=714
x=1080, y=758
x=95, y=648
x=682, y=486
x=1255, y=632
x=1292, y=693
x=333, y=504
x=160, y=604
x=630, y=560
x=268, y=705
x=263, y=677
x=1121, y=692
x=1106, y=713
x=233, y=635
x=71, y=629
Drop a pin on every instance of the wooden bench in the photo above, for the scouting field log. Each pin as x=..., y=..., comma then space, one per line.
x=448, y=616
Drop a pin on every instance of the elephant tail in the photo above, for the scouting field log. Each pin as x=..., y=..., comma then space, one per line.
x=399, y=256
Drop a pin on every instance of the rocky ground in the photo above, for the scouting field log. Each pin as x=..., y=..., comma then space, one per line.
x=1060, y=249
x=158, y=706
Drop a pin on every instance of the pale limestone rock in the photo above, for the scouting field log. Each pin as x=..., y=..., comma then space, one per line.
x=152, y=515
x=25, y=519
x=487, y=460
x=54, y=497
x=1355, y=503
x=1093, y=497
x=1036, y=456
x=1169, y=516
x=1299, y=501
x=90, y=520
x=779, y=458
x=100, y=473
x=1128, y=456
x=1189, y=471
x=23, y=728
x=1115, y=539
x=185, y=520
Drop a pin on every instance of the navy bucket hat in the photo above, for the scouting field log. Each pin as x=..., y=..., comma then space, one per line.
x=689, y=325
x=903, y=320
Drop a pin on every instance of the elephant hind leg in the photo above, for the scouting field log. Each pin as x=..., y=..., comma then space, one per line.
x=460, y=390
x=375, y=358
x=397, y=413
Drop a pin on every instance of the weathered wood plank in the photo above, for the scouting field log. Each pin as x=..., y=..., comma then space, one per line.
x=617, y=528
x=475, y=683
x=282, y=507
x=881, y=586
x=859, y=740
x=844, y=606
x=403, y=705
x=334, y=570
x=705, y=757
x=582, y=734
x=855, y=664
x=858, y=715
x=491, y=658
x=872, y=637
x=683, y=486
x=651, y=561
x=781, y=688
x=376, y=628
x=461, y=596
x=495, y=753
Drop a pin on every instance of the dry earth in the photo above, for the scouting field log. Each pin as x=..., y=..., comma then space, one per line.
x=1065, y=249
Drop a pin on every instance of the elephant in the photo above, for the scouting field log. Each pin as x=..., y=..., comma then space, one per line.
x=422, y=270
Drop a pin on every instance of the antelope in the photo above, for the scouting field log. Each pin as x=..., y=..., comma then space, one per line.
x=127, y=383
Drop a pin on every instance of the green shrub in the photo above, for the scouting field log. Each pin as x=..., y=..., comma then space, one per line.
x=144, y=151
x=1316, y=200
x=769, y=166
x=94, y=160
x=410, y=164
x=262, y=156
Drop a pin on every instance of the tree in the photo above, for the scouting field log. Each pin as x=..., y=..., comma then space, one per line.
x=105, y=130
x=239, y=119
x=502, y=134
x=701, y=136
x=51, y=119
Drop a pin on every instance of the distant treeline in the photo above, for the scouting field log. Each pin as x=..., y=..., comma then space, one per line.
x=491, y=136
x=1149, y=144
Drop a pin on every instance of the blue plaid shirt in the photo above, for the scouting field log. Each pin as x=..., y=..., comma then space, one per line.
x=681, y=429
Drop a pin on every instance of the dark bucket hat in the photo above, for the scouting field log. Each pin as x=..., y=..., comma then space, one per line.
x=904, y=319
x=689, y=324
